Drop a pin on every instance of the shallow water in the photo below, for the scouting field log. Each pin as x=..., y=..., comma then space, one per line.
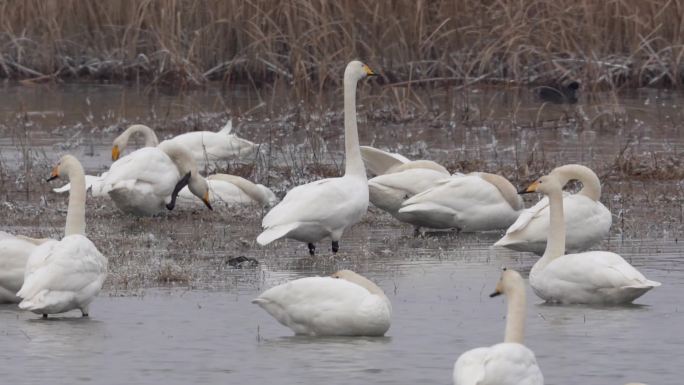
x=203, y=329
x=440, y=309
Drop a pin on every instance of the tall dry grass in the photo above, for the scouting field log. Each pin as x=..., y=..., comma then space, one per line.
x=306, y=43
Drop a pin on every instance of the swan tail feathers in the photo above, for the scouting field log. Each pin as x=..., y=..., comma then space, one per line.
x=648, y=284
x=276, y=232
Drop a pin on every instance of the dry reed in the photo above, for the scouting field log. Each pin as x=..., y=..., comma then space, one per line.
x=305, y=43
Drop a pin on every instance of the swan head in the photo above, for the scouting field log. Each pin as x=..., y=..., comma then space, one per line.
x=360, y=280
x=545, y=185
x=357, y=70
x=117, y=150
x=200, y=188
x=510, y=279
x=66, y=165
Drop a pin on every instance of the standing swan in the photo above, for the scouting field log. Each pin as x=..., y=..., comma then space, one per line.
x=507, y=363
x=344, y=304
x=149, y=179
x=587, y=221
x=592, y=277
x=327, y=207
x=67, y=274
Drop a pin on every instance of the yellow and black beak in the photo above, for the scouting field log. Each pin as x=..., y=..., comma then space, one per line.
x=115, y=152
x=54, y=174
x=532, y=188
x=205, y=199
x=369, y=72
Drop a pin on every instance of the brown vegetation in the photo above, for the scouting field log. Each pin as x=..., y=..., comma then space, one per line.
x=306, y=43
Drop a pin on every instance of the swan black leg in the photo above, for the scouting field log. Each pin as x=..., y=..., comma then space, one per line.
x=335, y=246
x=312, y=249
x=44, y=316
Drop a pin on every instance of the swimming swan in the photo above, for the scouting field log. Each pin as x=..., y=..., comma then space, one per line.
x=507, y=363
x=327, y=207
x=204, y=146
x=344, y=304
x=232, y=190
x=477, y=201
x=67, y=274
x=149, y=179
x=587, y=221
x=592, y=277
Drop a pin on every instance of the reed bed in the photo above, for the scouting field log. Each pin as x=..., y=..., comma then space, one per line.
x=304, y=44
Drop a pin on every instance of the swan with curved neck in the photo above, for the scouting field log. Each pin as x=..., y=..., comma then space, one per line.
x=344, y=304
x=66, y=274
x=587, y=220
x=233, y=190
x=326, y=208
x=121, y=141
x=478, y=201
x=592, y=277
x=510, y=362
x=149, y=179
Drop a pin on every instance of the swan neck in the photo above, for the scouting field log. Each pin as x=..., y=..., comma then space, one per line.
x=147, y=133
x=353, y=161
x=555, y=243
x=515, y=317
x=591, y=185
x=75, y=219
x=180, y=157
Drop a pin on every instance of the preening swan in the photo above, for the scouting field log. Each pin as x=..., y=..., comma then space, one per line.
x=14, y=252
x=592, y=277
x=398, y=179
x=204, y=146
x=507, y=363
x=149, y=179
x=232, y=190
x=327, y=207
x=474, y=202
x=67, y=274
x=587, y=221
x=344, y=304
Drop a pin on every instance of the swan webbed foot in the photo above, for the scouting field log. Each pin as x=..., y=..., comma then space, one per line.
x=85, y=315
x=312, y=249
x=335, y=246
x=45, y=315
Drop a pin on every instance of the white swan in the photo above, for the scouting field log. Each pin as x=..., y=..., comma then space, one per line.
x=67, y=274
x=587, y=221
x=507, y=363
x=398, y=178
x=344, y=304
x=474, y=202
x=147, y=180
x=204, y=146
x=232, y=190
x=592, y=277
x=14, y=252
x=327, y=207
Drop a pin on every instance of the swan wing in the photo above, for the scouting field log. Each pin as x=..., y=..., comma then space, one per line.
x=412, y=181
x=148, y=169
x=379, y=161
x=327, y=201
x=68, y=265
